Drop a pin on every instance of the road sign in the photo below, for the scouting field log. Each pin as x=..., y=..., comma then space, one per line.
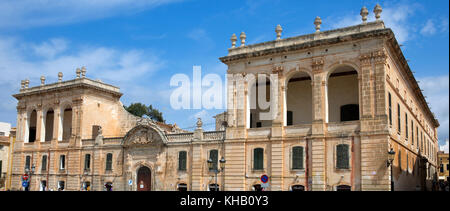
x=264, y=178
x=130, y=182
x=25, y=177
x=24, y=184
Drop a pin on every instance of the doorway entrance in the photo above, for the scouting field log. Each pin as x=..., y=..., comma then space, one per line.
x=144, y=179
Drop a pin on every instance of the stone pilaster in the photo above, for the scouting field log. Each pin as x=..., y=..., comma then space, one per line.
x=235, y=166
x=198, y=165
x=276, y=167
x=318, y=167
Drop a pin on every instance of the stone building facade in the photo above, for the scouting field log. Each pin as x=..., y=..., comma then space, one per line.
x=341, y=100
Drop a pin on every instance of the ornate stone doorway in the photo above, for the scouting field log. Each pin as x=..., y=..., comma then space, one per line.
x=144, y=179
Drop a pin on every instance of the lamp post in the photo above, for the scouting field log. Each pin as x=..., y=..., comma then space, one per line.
x=216, y=170
x=391, y=156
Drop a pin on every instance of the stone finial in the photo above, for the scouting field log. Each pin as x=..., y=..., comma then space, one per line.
x=78, y=72
x=243, y=37
x=27, y=83
x=42, y=80
x=278, y=30
x=60, y=76
x=83, y=72
x=377, y=10
x=199, y=123
x=318, y=22
x=364, y=13
x=233, y=41
x=22, y=84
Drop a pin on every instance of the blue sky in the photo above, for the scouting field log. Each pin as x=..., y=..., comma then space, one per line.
x=139, y=44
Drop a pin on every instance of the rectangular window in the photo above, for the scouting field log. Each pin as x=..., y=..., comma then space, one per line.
x=412, y=132
x=44, y=163
x=406, y=127
x=399, y=121
x=258, y=159
x=342, y=156
x=390, y=109
x=87, y=162
x=109, y=158
x=62, y=162
x=1, y=169
x=442, y=168
x=297, y=158
x=214, y=156
x=27, y=163
x=182, y=160
x=290, y=118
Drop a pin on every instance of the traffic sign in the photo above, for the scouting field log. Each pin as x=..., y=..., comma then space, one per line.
x=25, y=177
x=24, y=184
x=130, y=182
x=264, y=178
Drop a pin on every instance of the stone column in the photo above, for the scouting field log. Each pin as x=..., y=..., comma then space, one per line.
x=317, y=162
x=40, y=125
x=198, y=167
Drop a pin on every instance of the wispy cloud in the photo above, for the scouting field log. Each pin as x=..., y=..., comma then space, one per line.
x=118, y=67
x=395, y=17
x=436, y=91
x=444, y=147
x=429, y=28
x=32, y=13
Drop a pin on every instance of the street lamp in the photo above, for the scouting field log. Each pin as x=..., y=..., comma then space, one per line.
x=216, y=170
x=391, y=156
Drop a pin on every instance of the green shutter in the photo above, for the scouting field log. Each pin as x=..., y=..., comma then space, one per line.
x=297, y=158
x=109, y=158
x=342, y=156
x=182, y=161
x=213, y=155
x=258, y=159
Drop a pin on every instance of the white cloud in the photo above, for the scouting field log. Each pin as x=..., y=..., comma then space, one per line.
x=428, y=29
x=444, y=147
x=32, y=13
x=436, y=91
x=122, y=68
x=394, y=16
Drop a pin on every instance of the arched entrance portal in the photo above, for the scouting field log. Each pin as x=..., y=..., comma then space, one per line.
x=144, y=179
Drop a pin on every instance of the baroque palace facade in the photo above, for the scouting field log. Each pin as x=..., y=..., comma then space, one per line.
x=344, y=98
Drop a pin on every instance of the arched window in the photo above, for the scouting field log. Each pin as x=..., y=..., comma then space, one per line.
x=298, y=188
x=258, y=159
x=67, y=124
x=182, y=160
x=214, y=156
x=182, y=187
x=213, y=187
x=299, y=100
x=49, y=119
x=342, y=156
x=343, y=188
x=297, y=158
x=257, y=187
x=343, y=95
x=32, y=126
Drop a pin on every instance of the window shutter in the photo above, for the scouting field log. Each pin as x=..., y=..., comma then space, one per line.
x=342, y=156
x=109, y=157
x=182, y=160
x=297, y=158
x=213, y=155
x=258, y=159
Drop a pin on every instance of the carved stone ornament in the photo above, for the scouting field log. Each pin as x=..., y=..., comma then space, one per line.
x=317, y=64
